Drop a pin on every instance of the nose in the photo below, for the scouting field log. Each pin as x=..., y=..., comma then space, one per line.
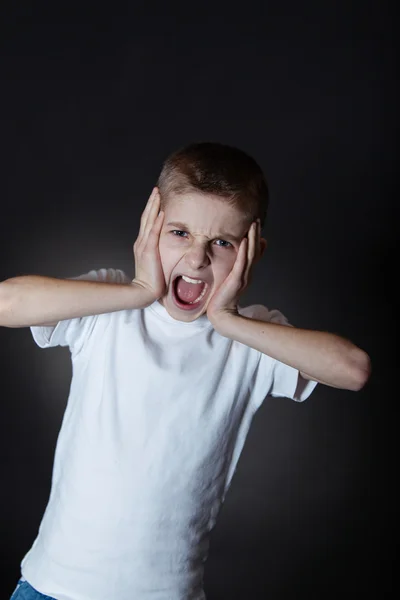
x=196, y=257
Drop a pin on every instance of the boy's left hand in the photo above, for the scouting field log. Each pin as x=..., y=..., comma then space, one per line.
x=224, y=301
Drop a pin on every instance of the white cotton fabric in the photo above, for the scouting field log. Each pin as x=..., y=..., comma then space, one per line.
x=156, y=419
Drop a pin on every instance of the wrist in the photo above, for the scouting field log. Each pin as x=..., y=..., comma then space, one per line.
x=224, y=322
x=143, y=295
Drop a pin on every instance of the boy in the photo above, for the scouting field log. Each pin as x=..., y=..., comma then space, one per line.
x=168, y=372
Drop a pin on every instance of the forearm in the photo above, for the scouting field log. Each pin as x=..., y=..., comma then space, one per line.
x=33, y=299
x=323, y=356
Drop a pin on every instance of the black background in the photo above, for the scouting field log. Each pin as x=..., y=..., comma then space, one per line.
x=92, y=101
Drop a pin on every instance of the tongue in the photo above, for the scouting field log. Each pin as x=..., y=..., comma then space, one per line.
x=188, y=292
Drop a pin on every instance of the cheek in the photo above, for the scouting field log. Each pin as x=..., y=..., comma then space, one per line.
x=169, y=257
x=223, y=267
x=163, y=254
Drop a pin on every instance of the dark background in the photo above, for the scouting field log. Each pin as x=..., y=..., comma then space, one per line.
x=92, y=101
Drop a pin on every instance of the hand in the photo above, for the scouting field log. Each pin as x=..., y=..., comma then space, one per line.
x=224, y=300
x=148, y=268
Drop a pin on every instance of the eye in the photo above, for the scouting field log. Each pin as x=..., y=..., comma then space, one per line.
x=177, y=233
x=223, y=241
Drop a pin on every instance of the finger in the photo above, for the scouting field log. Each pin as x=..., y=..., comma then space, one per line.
x=154, y=235
x=257, y=245
x=146, y=212
x=151, y=215
x=252, y=241
x=241, y=259
x=251, y=249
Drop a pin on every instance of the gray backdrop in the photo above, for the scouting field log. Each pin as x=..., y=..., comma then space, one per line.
x=91, y=103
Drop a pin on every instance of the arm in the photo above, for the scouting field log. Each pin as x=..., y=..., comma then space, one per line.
x=36, y=300
x=318, y=355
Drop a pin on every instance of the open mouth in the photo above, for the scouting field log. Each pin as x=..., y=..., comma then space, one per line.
x=188, y=295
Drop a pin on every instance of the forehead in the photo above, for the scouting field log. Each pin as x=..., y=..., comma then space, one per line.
x=205, y=214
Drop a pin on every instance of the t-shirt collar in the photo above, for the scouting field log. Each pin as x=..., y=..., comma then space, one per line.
x=200, y=323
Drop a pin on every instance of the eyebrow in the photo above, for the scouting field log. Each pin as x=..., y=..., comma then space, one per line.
x=222, y=235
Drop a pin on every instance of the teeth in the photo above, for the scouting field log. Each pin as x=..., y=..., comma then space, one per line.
x=189, y=280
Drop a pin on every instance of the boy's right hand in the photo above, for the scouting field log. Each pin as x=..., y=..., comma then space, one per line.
x=148, y=268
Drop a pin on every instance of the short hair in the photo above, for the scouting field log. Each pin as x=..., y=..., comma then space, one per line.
x=218, y=169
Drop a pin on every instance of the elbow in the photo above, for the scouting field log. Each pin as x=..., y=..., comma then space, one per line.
x=4, y=301
x=361, y=371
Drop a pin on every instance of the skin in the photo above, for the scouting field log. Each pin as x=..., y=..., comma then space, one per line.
x=164, y=250
x=199, y=250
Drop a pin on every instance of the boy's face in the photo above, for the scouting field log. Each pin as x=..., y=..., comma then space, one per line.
x=200, y=238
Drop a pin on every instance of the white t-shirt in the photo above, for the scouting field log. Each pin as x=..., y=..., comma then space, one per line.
x=156, y=419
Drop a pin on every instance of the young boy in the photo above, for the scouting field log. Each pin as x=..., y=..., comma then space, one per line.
x=168, y=372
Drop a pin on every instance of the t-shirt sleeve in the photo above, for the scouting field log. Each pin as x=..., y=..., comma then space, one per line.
x=74, y=332
x=281, y=380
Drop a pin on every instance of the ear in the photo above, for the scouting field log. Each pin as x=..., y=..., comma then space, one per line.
x=263, y=245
